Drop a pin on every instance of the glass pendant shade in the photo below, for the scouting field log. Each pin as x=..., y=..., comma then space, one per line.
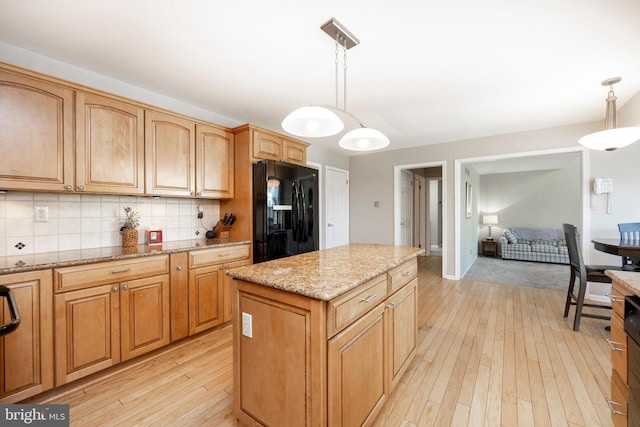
x=312, y=121
x=610, y=139
x=364, y=139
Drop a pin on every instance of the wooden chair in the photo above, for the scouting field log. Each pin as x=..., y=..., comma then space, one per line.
x=584, y=273
x=630, y=231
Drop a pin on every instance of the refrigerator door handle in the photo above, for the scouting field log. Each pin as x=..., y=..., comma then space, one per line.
x=294, y=212
x=302, y=204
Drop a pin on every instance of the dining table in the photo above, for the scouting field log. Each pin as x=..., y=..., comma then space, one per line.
x=620, y=247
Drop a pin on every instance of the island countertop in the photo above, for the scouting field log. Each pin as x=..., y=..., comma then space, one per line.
x=628, y=279
x=327, y=273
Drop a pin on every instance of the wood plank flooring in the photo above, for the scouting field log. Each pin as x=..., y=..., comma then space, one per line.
x=489, y=355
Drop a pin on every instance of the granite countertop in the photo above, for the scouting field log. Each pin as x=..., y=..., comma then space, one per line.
x=30, y=262
x=629, y=279
x=328, y=273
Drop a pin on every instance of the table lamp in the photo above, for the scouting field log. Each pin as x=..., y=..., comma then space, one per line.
x=490, y=220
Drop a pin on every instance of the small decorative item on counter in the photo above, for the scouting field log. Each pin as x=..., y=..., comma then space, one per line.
x=128, y=228
x=221, y=230
x=154, y=236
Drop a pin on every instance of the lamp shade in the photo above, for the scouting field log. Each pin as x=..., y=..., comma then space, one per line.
x=490, y=219
x=363, y=139
x=312, y=121
x=611, y=139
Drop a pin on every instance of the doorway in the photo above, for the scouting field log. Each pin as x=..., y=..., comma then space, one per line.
x=428, y=213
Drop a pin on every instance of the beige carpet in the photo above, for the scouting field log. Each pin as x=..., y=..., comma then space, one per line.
x=522, y=273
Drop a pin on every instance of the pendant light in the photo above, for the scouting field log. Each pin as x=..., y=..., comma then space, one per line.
x=321, y=120
x=612, y=137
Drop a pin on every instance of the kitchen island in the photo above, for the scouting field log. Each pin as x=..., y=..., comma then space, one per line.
x=322, y=338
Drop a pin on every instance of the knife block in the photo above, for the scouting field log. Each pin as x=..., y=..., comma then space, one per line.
x=221, y=231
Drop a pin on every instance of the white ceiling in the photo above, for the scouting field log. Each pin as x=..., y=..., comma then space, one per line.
x=425, y=71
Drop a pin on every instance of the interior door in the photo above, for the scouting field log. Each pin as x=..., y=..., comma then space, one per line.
x=337, y=197
x=406, y=208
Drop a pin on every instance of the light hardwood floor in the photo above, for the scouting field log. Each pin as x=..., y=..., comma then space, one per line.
x=489, y=355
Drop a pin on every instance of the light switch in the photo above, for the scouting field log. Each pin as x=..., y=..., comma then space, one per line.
x=247, y=325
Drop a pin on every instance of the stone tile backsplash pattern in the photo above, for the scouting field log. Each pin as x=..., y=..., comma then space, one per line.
x=79, y=221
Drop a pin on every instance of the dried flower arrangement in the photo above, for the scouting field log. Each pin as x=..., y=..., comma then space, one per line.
x=131, y=220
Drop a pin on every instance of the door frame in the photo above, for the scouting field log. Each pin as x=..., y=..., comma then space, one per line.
x=397, y=232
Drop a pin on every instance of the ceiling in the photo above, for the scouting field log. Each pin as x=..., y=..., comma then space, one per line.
x=425, y=72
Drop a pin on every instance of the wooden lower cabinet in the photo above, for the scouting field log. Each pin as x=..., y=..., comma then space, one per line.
x=206, y=299
x=402, y=331
x=619, y=399
x=357, y=386
x=26, y=364
x=101, y=326
x=329, y=362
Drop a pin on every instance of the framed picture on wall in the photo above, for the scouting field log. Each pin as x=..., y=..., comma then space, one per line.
x=469, y=201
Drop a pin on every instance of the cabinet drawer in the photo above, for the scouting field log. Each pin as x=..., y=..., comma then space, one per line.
x=402, y=274
x=85, y=276
x=217, y=255
x=347, y=308
x=619, y=401
x=617, y=298
x=618, y=344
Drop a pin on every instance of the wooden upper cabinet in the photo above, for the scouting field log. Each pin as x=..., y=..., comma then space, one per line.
x=214, y=162
x=169, y=155
x=109, y=145
x=267, y=145
x=294, y=152
x=36, y=134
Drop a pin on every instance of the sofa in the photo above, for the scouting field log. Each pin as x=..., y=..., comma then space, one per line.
x=534, y=244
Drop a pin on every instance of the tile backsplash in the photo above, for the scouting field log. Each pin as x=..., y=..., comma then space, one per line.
x=79, y=221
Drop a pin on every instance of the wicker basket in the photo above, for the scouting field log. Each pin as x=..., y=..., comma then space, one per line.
x=129, y=237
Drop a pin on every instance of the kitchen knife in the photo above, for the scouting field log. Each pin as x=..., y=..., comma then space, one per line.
x=224, y=220
x=232, y=219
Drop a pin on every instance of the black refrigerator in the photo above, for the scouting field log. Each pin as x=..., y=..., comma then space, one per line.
x=285, y=210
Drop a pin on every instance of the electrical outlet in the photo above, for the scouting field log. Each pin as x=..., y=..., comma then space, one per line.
x=41, y=213
x=247, y=325
x=200, y=215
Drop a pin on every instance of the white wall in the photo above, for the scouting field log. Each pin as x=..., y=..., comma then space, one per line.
x=372, y=179
x=545, y=198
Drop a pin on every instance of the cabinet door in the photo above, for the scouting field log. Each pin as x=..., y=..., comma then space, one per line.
x=266, y=146
x=214, y=162
x=294, y=152
x=356, y=376
x=26, y=367
x=36, y=134
x=228, y=307
x=169, y=155
x=109, y=145
x=402, y=327
x=144, y=315
x=87, y=327
x=206, y=298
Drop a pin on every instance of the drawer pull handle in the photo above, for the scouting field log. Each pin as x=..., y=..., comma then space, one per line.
x=613, y=410
x=369, y=298
x=115, y=289
x=614, y=298
x=612, y=345
x=125, y=287
x=122, y=270
x=224, y=255
x=407, y=273
x=391, y=304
